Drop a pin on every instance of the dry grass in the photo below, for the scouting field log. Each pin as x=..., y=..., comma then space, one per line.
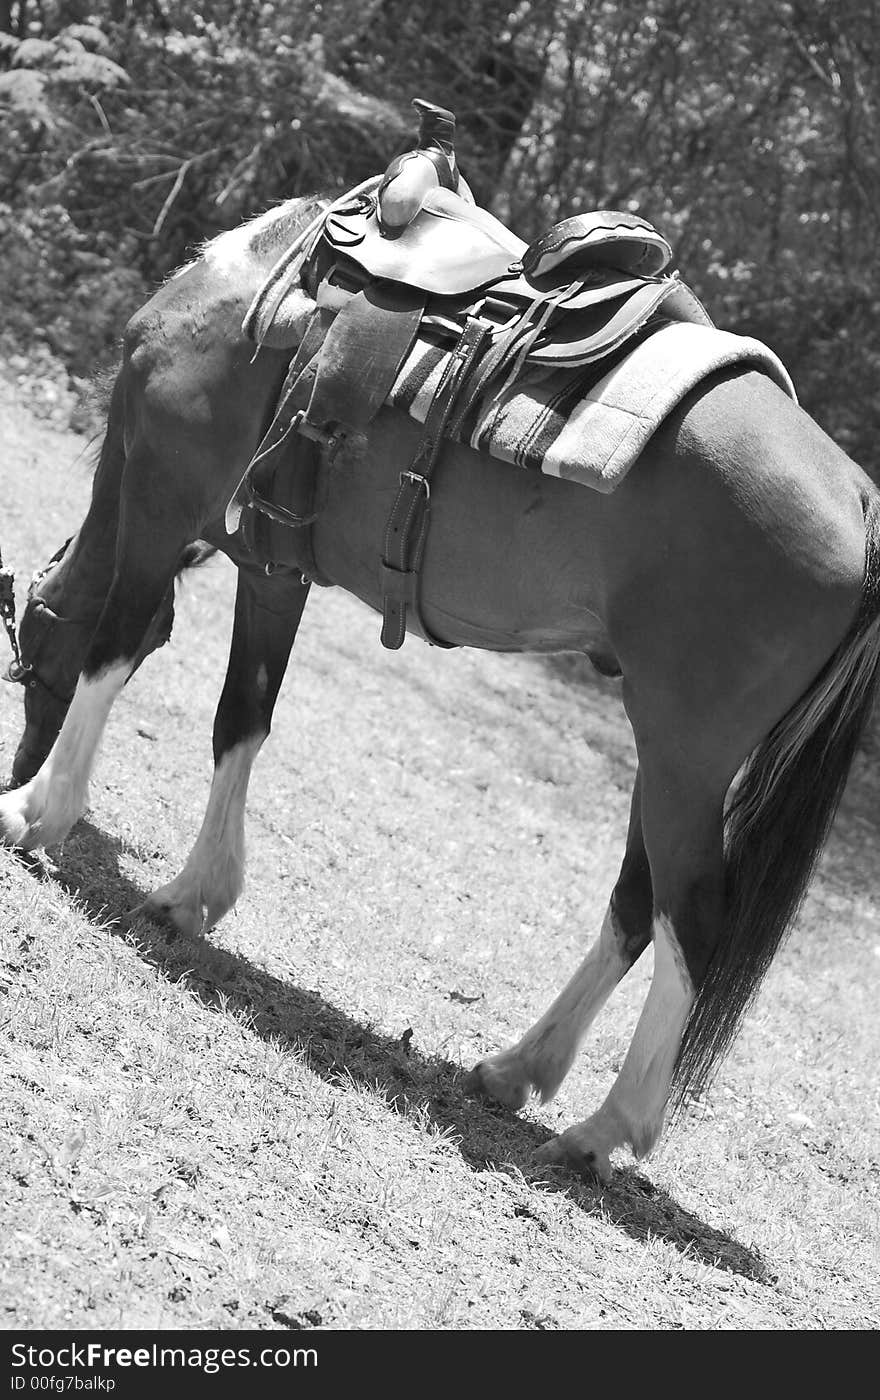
x=267, y=1129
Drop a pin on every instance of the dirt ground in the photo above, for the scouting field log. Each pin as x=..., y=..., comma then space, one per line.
x=267, y=1128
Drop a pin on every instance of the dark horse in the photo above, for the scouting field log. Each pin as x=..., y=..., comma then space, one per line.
x=732, y=579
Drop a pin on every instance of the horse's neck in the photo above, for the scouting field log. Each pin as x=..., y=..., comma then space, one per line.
x=264, y=239
x=272, y=233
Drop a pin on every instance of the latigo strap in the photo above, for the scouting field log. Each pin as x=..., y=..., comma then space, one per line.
x=407, y=528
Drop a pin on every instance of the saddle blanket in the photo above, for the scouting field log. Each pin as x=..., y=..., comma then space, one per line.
x=571, y=424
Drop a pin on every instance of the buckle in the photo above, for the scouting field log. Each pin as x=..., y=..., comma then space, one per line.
x=17, y=672
x=417, y=481
x=300, y=424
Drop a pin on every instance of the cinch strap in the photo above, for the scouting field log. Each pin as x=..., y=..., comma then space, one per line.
x=407, y=528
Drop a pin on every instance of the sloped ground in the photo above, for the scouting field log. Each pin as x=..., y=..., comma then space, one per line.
x=267, y=1128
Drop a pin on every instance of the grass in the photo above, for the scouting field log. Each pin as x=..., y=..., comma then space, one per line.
x=267, y=1128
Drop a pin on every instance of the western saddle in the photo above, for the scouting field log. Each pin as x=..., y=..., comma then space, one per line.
x=410, y=254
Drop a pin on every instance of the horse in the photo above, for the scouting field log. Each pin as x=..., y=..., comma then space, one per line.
x=732, y=582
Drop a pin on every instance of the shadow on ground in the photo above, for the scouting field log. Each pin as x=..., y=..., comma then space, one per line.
x=335, y=1045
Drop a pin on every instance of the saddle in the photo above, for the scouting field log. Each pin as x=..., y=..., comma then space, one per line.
x=455, y=276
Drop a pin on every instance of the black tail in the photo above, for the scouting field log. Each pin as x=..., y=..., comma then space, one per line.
x=777, y=824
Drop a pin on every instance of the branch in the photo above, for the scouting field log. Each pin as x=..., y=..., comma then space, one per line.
x=831, y=80
x=175, y=191
x=238, y=170
x=102, y=115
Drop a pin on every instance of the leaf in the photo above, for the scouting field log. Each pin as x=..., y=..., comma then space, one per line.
x=34, y=53
x=183, y=1248
x=105, y=1188
x=71, y=1148
x=221, y=1237
x=89, y=35
x=24, y=91
x=89, y=70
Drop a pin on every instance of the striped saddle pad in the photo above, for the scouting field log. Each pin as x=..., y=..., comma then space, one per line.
x=591, y=423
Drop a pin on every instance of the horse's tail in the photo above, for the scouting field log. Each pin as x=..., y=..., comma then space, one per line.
x=777, y=823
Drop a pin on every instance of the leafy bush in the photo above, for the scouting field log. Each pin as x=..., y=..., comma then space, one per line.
x=748, y=133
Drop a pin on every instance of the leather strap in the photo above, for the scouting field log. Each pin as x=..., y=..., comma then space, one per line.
x=407, y=528
x=255, y=493
x=517, y=336
x=292, y=400
x=361, y=355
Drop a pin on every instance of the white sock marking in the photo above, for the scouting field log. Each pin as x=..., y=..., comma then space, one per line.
x=212, y=878
x=540, y=1061
x=549, y=1048
x=639, y=1095
x=57, y=795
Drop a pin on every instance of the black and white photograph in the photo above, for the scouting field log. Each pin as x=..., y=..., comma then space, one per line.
x=439, y=761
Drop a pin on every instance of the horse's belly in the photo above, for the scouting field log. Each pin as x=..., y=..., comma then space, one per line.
x=510, y=559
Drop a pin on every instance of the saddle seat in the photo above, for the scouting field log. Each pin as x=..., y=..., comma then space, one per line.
x=453, y=247
x=450, y=248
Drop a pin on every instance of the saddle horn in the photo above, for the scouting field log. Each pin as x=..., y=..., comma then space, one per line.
x=409, y=177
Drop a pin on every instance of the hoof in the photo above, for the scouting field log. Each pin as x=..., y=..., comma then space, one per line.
x=22, y=826
x=13, y=825
x=500, y=1084
x=589, y=1163
x=184, y=918
x=41, y=813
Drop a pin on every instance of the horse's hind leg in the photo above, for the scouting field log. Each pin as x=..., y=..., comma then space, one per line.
x=682, y=821
x=267, y=615
x=151, y=539
x=540, y=1061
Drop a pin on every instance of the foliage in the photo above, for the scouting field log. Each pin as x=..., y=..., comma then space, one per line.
x=748, y=133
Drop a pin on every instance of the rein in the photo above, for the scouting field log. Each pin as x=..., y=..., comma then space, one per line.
x=7, y=612
x=20, y=671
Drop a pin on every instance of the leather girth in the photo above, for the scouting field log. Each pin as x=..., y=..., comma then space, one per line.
x=277, y=494
x=407, y=528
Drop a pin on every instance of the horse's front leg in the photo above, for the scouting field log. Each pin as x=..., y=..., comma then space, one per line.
x=65, y=602
x=540, y=1061
x=267, y=615
x=150, y=544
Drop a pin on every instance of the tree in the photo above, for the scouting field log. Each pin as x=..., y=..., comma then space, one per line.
x=747, y=132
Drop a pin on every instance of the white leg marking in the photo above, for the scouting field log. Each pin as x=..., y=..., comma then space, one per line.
x=42, y=811
x=541, y=1060
x=634, y=1109
x=213, y=877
